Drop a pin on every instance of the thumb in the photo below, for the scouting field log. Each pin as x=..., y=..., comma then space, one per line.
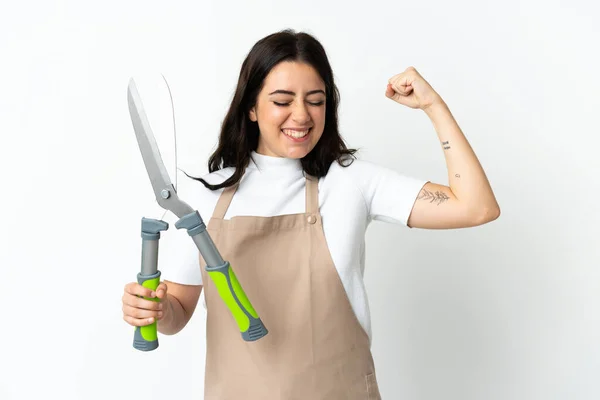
x=393, y=94
x=161, y=290
x=389, y=91
x=404, y=99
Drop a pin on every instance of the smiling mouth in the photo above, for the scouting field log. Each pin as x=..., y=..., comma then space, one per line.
x=296, y=134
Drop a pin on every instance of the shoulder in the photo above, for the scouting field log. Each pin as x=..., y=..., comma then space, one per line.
x=213, y=177
x=356, y=172
x=198, y=196
x=356, y=168
x=367, y=174
x=217, y=176
x=375, y=181
x=349, y=178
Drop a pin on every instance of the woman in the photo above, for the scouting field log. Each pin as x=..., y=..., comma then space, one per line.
x=290, y=205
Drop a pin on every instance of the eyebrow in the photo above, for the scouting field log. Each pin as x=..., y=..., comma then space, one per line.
x=293, y=94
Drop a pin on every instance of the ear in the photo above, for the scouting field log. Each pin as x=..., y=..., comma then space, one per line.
x=252, y=114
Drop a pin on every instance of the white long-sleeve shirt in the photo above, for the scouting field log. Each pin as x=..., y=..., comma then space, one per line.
x=349, y=199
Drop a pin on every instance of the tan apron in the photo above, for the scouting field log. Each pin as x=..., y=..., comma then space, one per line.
x=316, y=348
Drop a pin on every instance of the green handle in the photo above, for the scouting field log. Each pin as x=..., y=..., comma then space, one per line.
x=221, y=273
x=230, y=290
x=145, y=338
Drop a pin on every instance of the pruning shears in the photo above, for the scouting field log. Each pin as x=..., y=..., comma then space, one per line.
x=220, y=271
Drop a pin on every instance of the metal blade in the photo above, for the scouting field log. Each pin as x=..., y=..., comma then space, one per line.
x=164, y=191
x=155, y=167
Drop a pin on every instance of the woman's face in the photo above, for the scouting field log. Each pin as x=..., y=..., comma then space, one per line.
x=290, y=111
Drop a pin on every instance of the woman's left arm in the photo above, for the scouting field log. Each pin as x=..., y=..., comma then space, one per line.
x=469, y=199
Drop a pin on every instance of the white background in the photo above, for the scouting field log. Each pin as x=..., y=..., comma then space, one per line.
x=509, y=310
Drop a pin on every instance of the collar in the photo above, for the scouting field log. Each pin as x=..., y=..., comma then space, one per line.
x=265, y=163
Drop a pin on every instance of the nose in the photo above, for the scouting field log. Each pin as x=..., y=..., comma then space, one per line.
x=300, y=114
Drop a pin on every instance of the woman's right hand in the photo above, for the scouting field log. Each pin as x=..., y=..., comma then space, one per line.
x=138, y=311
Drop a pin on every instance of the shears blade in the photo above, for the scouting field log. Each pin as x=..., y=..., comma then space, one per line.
x=159, y=177
x=160, y=104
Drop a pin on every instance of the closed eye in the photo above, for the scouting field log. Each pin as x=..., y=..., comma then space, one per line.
x=316, y=104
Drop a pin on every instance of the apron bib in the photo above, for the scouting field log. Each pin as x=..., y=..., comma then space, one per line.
x=316, y=348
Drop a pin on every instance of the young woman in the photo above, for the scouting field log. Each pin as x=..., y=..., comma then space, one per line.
x=290, y=205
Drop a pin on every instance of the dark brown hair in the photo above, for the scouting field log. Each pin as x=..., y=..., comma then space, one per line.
x=239, y=135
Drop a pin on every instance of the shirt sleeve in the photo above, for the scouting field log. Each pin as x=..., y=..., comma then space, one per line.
x=389, y=195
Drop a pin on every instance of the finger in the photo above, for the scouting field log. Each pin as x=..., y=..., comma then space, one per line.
x=389, y=91
x=401, y=81
x=137, y=321
x=138, y=302
x=136, y=289
x=161, y=290
x=139, y=313
x=412, y=70
x=401, y=98
x=401, y=88
x=408, y=101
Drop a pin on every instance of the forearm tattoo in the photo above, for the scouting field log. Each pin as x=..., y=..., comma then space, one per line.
x=446, y=145
x=437, y=197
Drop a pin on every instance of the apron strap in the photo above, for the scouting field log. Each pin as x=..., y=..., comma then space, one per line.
x=312, y=194
x=312, y=198
x=224, y=201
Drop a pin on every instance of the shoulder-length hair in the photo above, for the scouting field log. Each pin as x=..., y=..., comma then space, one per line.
x=239, y=135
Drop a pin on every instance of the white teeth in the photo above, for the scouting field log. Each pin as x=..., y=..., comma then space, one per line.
x=295, y=134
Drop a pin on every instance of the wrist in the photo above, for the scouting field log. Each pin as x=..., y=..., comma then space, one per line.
x=436, y=107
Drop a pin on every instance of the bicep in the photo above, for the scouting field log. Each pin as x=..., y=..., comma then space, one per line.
x=436, y=207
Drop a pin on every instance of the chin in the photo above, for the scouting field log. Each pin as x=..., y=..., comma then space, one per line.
x=297, y=153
